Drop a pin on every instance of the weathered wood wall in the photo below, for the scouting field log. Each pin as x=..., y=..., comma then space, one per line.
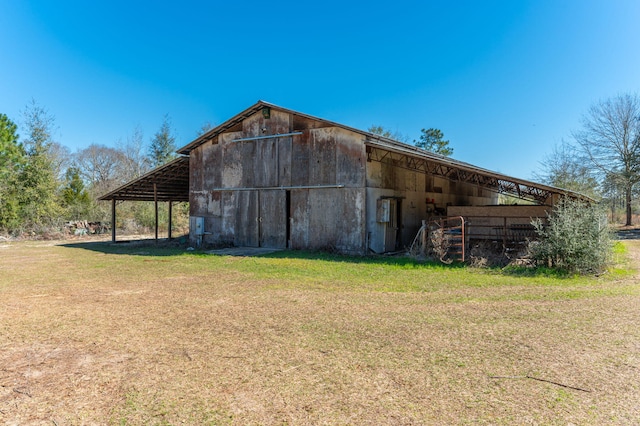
x=262, y=192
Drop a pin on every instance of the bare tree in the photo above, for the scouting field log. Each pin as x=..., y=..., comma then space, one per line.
x=610, y=138
x=206, y=126
x=564, y=168
x=100, y=166
x=134, y=162
x=61, y=159
x=384, y=132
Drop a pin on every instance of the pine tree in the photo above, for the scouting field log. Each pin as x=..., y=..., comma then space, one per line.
x=12, y=158
x=162, y=148
x=38, y=181
x=74, y=195
x=433, y=140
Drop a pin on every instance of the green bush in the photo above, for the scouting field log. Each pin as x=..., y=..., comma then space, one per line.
x=575, y=238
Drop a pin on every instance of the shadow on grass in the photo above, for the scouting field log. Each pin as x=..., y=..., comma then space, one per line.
x=178, y=247
x=396, y=260
x=162, y=247
x=536, y=272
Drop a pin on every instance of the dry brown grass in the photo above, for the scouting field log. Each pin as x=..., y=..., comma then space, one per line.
x=88, y=337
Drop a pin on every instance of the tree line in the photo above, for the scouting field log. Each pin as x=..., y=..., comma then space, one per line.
x=43, y=184
x=602, y=159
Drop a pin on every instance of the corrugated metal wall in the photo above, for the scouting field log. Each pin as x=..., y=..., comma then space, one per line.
x=304, y=191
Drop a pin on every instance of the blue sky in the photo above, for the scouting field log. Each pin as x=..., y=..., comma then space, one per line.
x=504, y=80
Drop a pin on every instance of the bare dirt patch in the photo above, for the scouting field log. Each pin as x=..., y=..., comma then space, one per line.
x=95, y=337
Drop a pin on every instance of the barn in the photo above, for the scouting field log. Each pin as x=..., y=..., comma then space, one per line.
x=278, y=178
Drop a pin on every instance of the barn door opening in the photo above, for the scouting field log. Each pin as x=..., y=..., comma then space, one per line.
x=262, y=218
x=392, y=228
x=247, y=229
x=273, y=218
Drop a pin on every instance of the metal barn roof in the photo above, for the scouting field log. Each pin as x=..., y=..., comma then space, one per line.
x=169, y=182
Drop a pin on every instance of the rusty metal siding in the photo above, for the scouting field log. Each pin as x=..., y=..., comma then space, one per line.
x=328, y=156
x=257, y=125
x=264, y=163
x=380, y=175
x=322, y=157
x=211, y=164
x=323, y=208
x=239, y=212
x=246, y=229
x=195, y=170
x=213, y=222
x=300, y=157
x=262, y=157
x=228, y=217
x=232, y=171
x=256, y=218
x=212, y=226
x=247, y=160
x=351, y=159
x=273, y=219
x=284, y=161
x=330, y=218
x=352, y=219
x=300, y=219
x=197, y=203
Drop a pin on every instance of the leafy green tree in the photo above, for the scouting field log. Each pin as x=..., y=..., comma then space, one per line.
x=162, y=148
x=12, y=158
x=39, y=204
x=433, y=140
x=76, y=199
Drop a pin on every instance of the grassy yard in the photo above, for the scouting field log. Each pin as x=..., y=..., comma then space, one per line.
x=94, y=333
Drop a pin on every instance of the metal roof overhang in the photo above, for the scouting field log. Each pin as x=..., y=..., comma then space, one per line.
x=169, y=182
x=383, y=149
x=412, y=158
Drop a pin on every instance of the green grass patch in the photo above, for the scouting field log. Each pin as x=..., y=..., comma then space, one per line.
x=319, y=271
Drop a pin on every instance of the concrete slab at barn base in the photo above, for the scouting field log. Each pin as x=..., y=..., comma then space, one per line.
x=243, y=251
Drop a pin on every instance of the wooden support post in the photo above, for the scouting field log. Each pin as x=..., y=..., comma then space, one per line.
x=504, y=234
x=113, y=220
x=155, y=201
x=425, y=230
x=464, y=237
x=170, y=211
